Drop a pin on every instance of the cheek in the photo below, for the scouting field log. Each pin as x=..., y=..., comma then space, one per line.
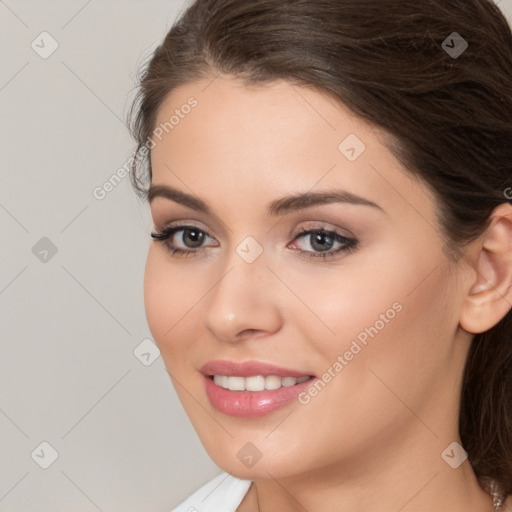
x=394, y=307
x=346, y=299
x=392, y=333
x=394, y=340
x=169, y=296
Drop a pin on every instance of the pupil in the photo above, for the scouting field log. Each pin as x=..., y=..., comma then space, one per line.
x=196, y=236
x=318, y=239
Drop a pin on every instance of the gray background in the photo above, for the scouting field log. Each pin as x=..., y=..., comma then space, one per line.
x=71, y=320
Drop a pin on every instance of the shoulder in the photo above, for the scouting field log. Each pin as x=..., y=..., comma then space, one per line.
x=221, y=494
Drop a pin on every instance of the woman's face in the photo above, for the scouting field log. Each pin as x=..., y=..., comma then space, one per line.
x=375, y=323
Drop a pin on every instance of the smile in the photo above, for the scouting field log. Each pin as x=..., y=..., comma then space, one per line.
x=257, y=382
x=252, y=389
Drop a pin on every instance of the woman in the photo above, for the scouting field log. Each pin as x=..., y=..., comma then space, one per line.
x=330, y=277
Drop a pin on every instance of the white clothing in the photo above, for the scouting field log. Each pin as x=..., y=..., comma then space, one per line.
x=221, y=494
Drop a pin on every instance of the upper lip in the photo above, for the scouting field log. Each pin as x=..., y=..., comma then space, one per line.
x=248, y=369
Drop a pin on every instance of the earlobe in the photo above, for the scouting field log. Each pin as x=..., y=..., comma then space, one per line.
x=489, y=297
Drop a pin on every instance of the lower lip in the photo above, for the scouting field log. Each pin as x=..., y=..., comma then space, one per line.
x=251, y=404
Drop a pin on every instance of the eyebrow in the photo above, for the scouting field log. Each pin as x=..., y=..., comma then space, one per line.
x=277, y=207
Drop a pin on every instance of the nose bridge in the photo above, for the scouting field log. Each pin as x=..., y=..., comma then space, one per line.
x=242, y=297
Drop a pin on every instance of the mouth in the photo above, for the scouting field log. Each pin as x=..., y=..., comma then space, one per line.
x=252, y=389
x=257, y=383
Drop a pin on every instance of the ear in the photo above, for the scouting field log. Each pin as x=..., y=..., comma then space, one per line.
x=489, y=298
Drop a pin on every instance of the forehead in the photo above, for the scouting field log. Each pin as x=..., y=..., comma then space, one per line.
x=267, y=140
x=262, y=110
x=251, y=129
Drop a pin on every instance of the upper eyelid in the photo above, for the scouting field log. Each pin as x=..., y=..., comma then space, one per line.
x=180, y=226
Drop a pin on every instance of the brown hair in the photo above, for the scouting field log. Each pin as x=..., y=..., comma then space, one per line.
x=448, y=116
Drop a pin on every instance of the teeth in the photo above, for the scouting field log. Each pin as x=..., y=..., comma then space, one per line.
x=221, y=380
x=272, y=382
x=257, y=382
x=288, y=381
x=236, y=383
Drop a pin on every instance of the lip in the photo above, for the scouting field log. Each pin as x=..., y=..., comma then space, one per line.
x=250, y=404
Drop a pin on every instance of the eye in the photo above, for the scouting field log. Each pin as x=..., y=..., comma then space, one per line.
x=323, y=240
x=192, y=238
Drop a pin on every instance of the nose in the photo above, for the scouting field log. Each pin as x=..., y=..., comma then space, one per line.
x=244, y=302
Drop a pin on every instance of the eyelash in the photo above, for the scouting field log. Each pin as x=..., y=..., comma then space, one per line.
x=350, y=244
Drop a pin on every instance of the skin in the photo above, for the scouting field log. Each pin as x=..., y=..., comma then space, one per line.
x=372, y=438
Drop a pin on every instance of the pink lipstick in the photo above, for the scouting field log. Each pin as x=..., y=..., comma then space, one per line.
x=252, y=388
